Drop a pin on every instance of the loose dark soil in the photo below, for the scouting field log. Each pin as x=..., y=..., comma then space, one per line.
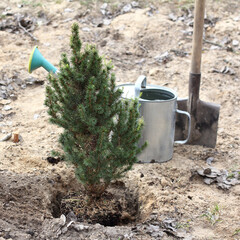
x=117, y=206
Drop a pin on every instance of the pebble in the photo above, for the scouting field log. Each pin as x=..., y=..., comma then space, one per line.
x=135, y=4
x=30, y=232
x=209, y=160
x=103, y=43
x=235, y=43
x=79, y=227
x=36, y=116
x=55, y=25
x=7, y=14
x=4, y=101
x=154, y=71
x=7, y=108
x=68, y=10
x=107, y=22
x=62, y=220
x=163, y=58
x=104, y=6
x=214, y=47
x=86, y=29
x=236, y=19
x=164, y=182
x=7, y=137
x=172, y=17
x=127, y=8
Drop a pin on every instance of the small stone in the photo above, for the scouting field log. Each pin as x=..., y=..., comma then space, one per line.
x=225, y=40
x=55, y=25
x=2, y=83
x=71, y=216
x=141, y=175
x=128, y=53
x=209, y=160
x=7, y=137
x=164, y=182
x=47, y=44
x=4, y=101
x=79, y=227
x=36, y=116
x=62, y=220
x=7, y=108
x=64, y=230
x=172, y=17
x=107, y=22
x=235, y=43
x=30, y=232
x=163, y=58
x=153, y=72
x=13, y=97
x=86, y=29
x=68, y=10
x=209, y=181
x=32, y=81
x=103, y=9
x=103, y=43
x=7, y=14
x=127, y=8
x=3, y=94
x=104, y=6
x=135, y=4
x=154, y=228
x=141, y=61
x=236, y=19
x=214, y=47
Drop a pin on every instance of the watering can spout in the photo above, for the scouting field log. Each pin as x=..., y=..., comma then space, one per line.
x=37, y=60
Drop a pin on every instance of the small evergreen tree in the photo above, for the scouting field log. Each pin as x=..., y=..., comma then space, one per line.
x=101, y=131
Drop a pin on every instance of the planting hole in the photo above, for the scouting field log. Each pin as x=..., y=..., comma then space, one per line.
x=56, y=205
x=117, y=206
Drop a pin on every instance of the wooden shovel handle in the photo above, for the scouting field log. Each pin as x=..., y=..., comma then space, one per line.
x=197, y=36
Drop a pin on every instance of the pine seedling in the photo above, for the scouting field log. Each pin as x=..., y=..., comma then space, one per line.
x=101, y=130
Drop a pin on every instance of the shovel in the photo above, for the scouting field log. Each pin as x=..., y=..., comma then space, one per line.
x=204, y=115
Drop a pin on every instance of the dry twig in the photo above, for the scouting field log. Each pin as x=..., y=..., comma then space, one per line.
x=26, y=31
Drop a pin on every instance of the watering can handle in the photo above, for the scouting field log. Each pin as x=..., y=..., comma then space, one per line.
x=140, y=83
x=189, y=126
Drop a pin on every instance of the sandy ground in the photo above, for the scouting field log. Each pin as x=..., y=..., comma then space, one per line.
x=30, y=187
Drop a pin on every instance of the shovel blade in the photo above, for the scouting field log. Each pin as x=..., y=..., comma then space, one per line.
x=204, y=123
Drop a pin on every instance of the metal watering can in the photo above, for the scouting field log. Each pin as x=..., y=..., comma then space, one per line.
x=158, y=107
